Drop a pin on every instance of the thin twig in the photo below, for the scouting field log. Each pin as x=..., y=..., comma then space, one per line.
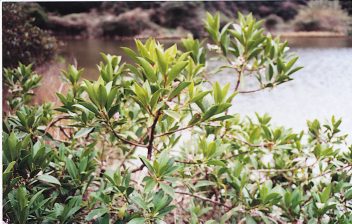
x=287, y=169
x=252, y=91
x=186, y=162
x=125, y=140
x=59, y=118
x=247, y=143
x=240, y=73
x=151, y=134
x=204, y=199
x=133, y=150
x=138, y=169
x=330, y=171
x=64, y=132
x=174, y=131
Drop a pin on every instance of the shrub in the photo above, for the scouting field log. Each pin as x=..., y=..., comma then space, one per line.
x=272, y=22
x=322, y=15
x=22, y=41
x=20, y=82
x=231, y=170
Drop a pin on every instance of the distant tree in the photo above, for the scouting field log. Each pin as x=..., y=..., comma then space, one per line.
x=322, y=15
x=23, y=41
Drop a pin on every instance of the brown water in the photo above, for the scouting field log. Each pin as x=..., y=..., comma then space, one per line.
x=323, y=88
x=86, y=52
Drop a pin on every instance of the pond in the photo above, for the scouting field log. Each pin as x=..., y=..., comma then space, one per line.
x=322, y=89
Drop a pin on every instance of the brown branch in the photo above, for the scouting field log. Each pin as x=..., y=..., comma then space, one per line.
x=253, y=212
x=286, y=169
x=174, y=131
x=248, y=143
x=64, y=132
x=249, y=70
x=204, y=199
x=186, y=162
x=125, y=140
x=252, y=91
x=330, y=171
x=61, y=141
x=240, y=73
x=133, y=150
x=138, y=169
x=59, y=118
x=151, y=134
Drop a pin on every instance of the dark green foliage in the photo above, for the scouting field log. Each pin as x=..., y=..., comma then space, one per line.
x=23, y=41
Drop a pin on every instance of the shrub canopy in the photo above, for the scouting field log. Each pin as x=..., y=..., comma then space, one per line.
x=151, y=142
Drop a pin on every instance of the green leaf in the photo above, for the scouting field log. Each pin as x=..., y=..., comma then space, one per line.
x=83, y=132
x=88, y=106
x=155, y=98
x=112, y=95
x=130, y=53
x=168, y=190
x=222, y=118
x=150, y=184
x=8, y=170
x=139, y=220
x=294, y=70
x=34, y=198
x=214, y=110
x=217, y=93
x=148, y=70
x=48, y=179
x=96, y=213
x=72, y=169
x=102, y=96
x=162, y=63
x=140, y=202
x=142, y=49
x=11, y=151
x=176, y=70
x=290, y=63
x=199, y=96
x=324, y=196
x=22, y=197
x=250, y=220
x=270, y=72
x=148, y=165
x=178, y=89
x=216, y=162
x=91, y=92
x=176, y=116
x=141, y=94
x=348, y=194
x=204, y=183
x=196, y=117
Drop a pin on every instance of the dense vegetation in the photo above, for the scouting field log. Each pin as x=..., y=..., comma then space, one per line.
x=177, y=18
x=316, y=16
x=112, y=152
x=22, y=40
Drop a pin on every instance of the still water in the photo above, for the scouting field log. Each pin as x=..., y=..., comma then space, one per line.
x=322, y=89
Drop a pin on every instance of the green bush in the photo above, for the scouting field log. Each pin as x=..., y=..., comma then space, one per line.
x=21, y=82
x=23, y=41
x=231, y=170
x=322, y=15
